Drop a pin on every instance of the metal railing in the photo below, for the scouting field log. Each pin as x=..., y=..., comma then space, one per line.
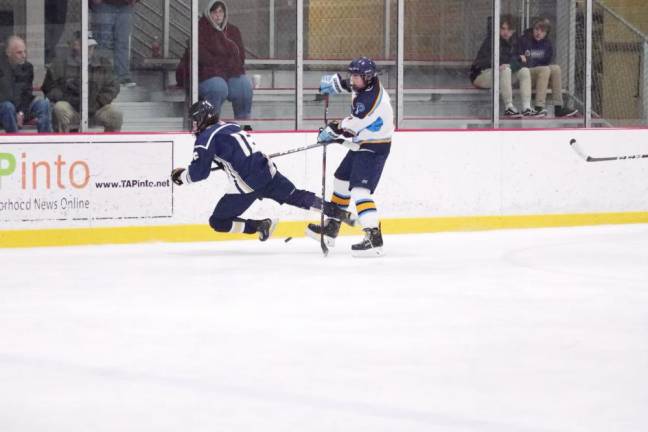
x=622, y=50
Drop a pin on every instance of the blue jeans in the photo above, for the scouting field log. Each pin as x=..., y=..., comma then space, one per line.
x=112, y=26
x=40, y=108
x=237, y=90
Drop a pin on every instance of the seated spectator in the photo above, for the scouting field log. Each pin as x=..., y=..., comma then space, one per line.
x=62, y=86
x=112, y=24
x=481, y=72
x=221, y=74
x=17, y=102
x=536, y=52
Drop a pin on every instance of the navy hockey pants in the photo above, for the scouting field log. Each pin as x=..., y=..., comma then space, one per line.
x=279, y=189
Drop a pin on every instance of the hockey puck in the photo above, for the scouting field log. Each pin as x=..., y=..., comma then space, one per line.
x=288, y=239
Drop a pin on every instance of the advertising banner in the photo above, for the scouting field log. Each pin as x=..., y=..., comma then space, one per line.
x=72, y=181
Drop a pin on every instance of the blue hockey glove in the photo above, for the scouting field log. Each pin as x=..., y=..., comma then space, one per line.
x=175, y=176
x=331, y=84
x=327, y=135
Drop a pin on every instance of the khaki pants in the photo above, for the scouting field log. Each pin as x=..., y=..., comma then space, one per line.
x=485, y=79
x=64, y=116
x=540, y=76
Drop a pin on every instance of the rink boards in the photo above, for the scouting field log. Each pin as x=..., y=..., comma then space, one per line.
x=115, y=188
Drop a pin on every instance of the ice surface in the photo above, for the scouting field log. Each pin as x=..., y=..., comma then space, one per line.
x=529, y=330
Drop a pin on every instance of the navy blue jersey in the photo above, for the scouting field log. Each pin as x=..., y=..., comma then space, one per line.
x=225, y=143
x=538, y=53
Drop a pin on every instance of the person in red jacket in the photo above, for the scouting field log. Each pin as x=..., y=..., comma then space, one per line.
x=221, y=56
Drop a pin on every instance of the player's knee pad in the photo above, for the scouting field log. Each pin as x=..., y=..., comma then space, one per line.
x=341, y=194
x=301, y=198
x=359, y=193
x=220, y=225
x=341, y=186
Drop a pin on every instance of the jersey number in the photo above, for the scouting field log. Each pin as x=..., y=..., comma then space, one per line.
x=246, y=142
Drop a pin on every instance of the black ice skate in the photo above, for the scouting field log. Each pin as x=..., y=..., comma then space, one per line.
x=370, y=246
x=331, y=231
x=266, y=227
x=335, y=212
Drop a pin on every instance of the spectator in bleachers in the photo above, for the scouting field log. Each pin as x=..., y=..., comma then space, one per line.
x=511, y=68
x=221, y=55
x=17, y=101
x=55, y=18
x=62, y=86
x=536, y=52
x=112, y=24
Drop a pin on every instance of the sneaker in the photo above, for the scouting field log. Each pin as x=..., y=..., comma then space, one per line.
x=540, y=111
x=529, y=112
x=266, y=227
x=331, y=231
x=370, y=246
x=512, y=113
x=127, y=82
x=564, y=112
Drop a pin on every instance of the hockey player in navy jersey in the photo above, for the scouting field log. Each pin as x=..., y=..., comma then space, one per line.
x=251, y=173
x=367, y=132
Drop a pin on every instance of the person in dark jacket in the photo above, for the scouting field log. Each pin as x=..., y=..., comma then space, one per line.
x=112, y=24
x=221, y=57
x=62, y=86
x=17, y=102
x=55, y=18
x=536, y=53
x=481, y=72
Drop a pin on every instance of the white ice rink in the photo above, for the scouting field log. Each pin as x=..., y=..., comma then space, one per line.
x=501, y=331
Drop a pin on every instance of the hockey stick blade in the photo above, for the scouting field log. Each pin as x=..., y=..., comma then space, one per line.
x=574, y=145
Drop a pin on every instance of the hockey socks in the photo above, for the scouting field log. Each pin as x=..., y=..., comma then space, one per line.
x=365, y=207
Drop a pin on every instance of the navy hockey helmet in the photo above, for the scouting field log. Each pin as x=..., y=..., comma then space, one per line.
x=365, y=67
x=204, y=114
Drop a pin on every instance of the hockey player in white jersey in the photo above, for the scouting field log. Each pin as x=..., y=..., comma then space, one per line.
x=367, y=132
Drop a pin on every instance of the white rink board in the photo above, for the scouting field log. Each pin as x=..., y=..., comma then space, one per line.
x=428, y=174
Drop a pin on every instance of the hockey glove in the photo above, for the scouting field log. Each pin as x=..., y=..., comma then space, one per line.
x=331, y=84
x=175, y=176
x=327, y=135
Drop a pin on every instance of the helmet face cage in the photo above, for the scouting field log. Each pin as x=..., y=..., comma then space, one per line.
x=364, y=67
x=203, y=114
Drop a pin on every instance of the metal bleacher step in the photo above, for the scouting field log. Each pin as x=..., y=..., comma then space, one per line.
x=153, y=124
x=133, y=94
x=150, y=109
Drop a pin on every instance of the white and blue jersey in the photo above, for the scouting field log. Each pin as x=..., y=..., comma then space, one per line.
x=372, y=117
x=247, y=169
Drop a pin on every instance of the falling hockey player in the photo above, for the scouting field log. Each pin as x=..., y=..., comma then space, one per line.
x=251, y=173
x=368, y=131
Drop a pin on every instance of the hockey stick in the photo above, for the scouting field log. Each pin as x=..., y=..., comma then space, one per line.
x=574, y=145
x=322, y=242
x=291, y=151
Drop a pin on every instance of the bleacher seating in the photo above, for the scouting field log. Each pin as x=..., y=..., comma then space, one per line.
x=437, y=95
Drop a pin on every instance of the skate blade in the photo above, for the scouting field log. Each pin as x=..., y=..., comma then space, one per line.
x=368, y=253
x=328, y=241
